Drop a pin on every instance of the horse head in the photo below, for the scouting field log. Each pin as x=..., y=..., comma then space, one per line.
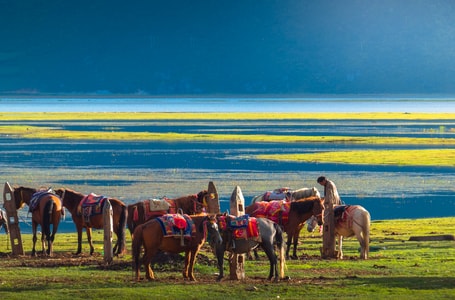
x=70, y=198
x=202, y=201
x=22, y=195
x=315, y=192
x=318, y=209
x=213, y=233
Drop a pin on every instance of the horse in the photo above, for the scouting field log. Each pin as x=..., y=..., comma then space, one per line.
x=276, y=194
x=72, y=200
x=270, y=235
x=150, y=236
x=297, y=213
x=304, y=193
x=352, y=220
x=46, y=208
x=138, y=212
x=4, y=221
x=287, y=194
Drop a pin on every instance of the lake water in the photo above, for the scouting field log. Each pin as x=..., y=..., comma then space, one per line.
x=172, y=169
x=224, y=104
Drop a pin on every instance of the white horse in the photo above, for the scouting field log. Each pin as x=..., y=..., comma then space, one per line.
x=350, y=220
x=304, y=193
x=287, y=194
x=276, y=194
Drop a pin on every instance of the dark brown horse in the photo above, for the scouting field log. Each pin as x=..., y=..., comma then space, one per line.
x=71, y=201
x=150, y=236
x=291, y=216
x=46, y=209
x=190, y=205
x=300, y=211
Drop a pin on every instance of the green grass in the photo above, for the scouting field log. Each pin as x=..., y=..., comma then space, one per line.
x=397, y=268
x=423, y=157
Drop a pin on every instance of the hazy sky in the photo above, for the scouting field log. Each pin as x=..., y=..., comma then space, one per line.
x=208, y=47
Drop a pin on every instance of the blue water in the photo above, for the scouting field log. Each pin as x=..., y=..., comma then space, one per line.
x=224, y=104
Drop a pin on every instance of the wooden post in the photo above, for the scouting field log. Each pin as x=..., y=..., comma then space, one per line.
x=237, y=261
x=13, y=220
x=328, y=234
x=108, y=228
x=213, y=202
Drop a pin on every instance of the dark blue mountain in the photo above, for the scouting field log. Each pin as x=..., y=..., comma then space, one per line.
x=241, y=47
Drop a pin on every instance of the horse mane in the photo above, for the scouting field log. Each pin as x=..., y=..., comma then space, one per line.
x=304, y=205
x=201, y=195
x=29, y=189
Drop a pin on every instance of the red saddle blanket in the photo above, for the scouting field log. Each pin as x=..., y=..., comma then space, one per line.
x=177, y=225
x=90, y=205
x=242, y=227
x=277, y=211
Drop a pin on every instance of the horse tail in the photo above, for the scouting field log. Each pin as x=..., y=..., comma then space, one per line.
x=47, y=217
x=121, y=232
x=136, y=247
x=280, y=244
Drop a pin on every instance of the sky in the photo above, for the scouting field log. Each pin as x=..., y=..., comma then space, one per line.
x=218, y=47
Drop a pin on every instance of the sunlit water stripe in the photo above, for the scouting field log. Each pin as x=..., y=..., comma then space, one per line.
x=272, y=105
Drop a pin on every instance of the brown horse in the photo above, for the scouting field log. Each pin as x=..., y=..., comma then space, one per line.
x=190, y=205
x=71, y=201
x=46, y=208
x=150, y=236
x=297, y=213
x=300, y=211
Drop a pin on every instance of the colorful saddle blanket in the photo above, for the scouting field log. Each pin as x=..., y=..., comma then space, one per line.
x=34, y=202
x=91, y=205
x=243, y=227
x=177, y=225
x=277, y=211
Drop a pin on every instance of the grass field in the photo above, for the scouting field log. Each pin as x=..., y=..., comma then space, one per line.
x=397, y=268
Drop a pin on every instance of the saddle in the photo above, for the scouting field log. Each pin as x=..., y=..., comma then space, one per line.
x=240, y=228
x=91, y=205
x=34, y=201
x=341, y=213
x=177, y=225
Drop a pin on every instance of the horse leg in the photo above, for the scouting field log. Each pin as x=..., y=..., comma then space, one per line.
x=79, y=240
x=361, y=240
x=43, y=243
x=34, y=238
x=89, y=238
x=269, y=251
x=340, y=246
x=146, y=260
x=288, y=244
x=220, y=259
x=190, y=266
x=296, y=240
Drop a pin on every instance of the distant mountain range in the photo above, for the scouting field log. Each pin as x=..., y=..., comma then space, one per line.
x=227, y=47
